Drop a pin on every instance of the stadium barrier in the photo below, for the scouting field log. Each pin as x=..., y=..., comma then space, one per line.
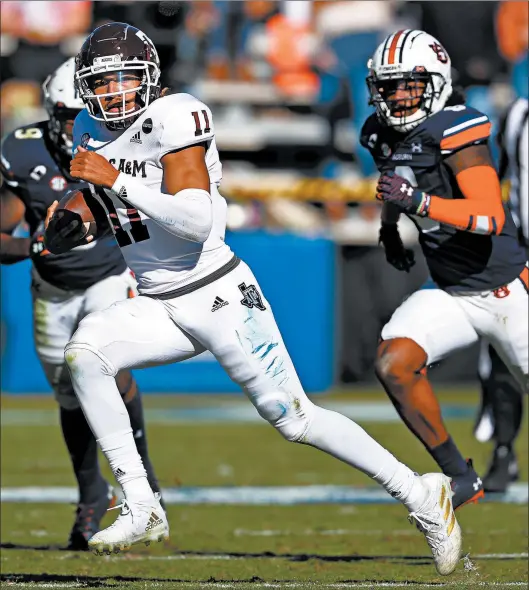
x=296, y=274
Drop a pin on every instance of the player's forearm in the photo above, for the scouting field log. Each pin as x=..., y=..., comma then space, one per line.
x=481, y=211
x=390, y=213
x=473, y=216
x=13, y=249
x=188, y=214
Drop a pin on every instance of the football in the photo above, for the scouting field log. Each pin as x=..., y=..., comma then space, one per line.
x=72, y=223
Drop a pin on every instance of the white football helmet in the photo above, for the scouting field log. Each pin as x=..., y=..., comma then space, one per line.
x=405, y=56
x=62, y=103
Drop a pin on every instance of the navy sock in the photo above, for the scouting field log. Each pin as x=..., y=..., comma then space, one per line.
x=82, y=448
x=449, y=459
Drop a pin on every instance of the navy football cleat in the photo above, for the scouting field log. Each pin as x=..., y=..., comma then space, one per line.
x=87, y=519
x=467, y=488
x=503, y=470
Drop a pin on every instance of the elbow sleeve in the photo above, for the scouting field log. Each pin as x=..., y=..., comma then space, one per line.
x=196, y=223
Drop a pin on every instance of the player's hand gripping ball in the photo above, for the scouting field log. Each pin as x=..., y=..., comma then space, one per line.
x=70, y=222
x=93, y=168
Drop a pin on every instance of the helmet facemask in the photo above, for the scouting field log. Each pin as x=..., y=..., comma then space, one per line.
x=404, y=99
x=60, y=126
x=100, y=105
x=63, y=105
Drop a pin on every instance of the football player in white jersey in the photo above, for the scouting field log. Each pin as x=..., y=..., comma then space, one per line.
x=153, y=164
x=34, y=163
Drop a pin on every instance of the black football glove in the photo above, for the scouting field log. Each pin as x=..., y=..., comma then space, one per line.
x=396, y=254
x=64, y=232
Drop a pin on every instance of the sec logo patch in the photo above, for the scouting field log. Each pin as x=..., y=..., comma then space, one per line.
x=58, y=183
x=147, y=126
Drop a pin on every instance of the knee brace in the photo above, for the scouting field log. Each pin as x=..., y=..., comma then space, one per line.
x=290, y=415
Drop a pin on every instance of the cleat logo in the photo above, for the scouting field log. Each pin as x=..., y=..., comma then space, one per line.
x=443, y=494
x=154, y=520
x=452, y=524
x=477, y=484
x=444, y=503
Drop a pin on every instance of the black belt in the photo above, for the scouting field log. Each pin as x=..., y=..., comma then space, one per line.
x=220, y=272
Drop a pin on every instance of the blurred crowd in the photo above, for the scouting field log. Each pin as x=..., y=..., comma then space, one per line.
x=286, y=81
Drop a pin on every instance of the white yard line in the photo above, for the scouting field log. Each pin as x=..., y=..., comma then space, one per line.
x=227, y=557
x=337, y=585
x=518, y=493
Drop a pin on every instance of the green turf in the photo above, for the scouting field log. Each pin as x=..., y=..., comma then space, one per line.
x=248, y=546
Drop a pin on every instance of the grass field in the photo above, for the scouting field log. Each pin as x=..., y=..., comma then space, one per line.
x=250, y=546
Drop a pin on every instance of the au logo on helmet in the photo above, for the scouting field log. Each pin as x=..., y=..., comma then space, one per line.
x=440, y=52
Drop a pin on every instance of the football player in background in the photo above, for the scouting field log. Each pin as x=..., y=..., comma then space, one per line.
x=154, y=166
x=35, y=162
x=433, y=154
x=501, y=410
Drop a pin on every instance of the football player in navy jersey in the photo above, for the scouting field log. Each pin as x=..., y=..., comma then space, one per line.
x=433, y=155
x=35, y=161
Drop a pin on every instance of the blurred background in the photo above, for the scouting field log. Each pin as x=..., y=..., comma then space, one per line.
x=285, y=81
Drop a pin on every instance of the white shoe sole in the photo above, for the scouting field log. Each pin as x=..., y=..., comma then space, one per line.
x=107, y=548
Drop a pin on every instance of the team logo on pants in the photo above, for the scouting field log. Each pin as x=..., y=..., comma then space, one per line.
x=252, y=297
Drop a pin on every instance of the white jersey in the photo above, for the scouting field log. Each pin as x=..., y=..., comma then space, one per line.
x=161, y=261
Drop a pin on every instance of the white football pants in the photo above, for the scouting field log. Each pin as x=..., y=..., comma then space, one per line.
x=443, y=324
x=231, y=318
x=56, y=315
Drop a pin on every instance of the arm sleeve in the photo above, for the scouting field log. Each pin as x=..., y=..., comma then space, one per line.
x=481, y=210
x=188, y=214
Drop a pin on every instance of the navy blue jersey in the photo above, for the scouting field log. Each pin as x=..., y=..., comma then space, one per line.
x=458, y=260
x=37, y=174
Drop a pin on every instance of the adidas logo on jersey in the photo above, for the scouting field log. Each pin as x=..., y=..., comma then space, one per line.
x=154, y=520
x=136, y=138
x=218, y=303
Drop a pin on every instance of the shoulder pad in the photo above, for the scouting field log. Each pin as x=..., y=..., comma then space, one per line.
x=458, y=126
x=81, y=122
x=185, y=121
x=22, y=149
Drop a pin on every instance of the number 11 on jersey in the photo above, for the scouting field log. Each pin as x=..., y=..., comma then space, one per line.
x=138, y=230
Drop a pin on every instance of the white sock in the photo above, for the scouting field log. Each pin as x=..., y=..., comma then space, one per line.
x=404, y=485
x=105, y=411
x=344, y=439
x=127, y=466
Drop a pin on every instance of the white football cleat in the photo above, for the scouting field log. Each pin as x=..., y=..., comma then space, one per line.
x=137, y=523
x=437, y=521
